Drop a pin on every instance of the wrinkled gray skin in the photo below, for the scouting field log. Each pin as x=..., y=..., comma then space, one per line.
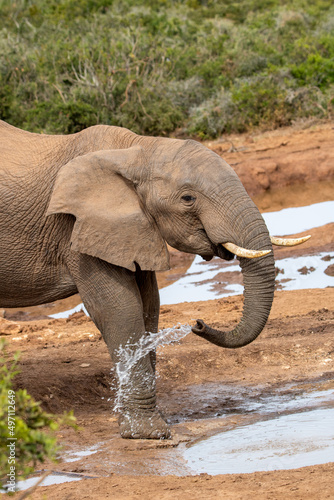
x=91, y=213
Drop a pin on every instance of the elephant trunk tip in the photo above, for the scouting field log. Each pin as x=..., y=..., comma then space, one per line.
x=214, y=336
x=199, y=327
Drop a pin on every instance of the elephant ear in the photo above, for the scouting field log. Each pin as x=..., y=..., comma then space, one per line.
x=99, y=189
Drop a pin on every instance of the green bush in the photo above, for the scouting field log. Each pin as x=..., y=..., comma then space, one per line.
x=160, y=67
x=316, y=70
x=23, y=440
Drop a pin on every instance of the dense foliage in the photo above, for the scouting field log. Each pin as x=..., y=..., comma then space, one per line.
x=201, y=67
x=23, y=422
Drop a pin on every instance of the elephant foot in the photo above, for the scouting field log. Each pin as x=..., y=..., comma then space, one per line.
x=143, y=425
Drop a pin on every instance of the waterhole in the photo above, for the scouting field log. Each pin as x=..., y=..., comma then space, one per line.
x=54, y=477
x=300, y=434
x=48, y=481
x=216, y=279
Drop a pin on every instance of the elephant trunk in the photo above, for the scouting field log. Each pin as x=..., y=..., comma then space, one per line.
x=259, y=285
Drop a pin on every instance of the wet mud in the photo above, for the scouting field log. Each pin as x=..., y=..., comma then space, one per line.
x=206, y=393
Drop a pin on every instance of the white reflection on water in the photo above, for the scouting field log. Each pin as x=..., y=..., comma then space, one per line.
x=314, y=265
x=66, y=314
x=287, y=442
x=299, y=219
x=200, y=284
x=48, y=481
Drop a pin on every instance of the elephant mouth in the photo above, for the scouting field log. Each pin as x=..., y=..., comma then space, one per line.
x=219, y=251
x=223, y=253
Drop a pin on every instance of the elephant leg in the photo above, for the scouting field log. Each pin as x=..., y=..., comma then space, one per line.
x=148, y=287
x=114, y=301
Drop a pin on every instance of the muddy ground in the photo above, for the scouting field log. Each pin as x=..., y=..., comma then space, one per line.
x=65, y=364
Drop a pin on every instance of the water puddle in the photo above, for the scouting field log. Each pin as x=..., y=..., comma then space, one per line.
x=283, y=401
x=213, y=280
x=74, y=456
x=287, y=442
x=69, y=312
x=294, y=432
x=48, y=481
x=197, y=284
x=54, y=477
x=307, y=271
x=299, y=219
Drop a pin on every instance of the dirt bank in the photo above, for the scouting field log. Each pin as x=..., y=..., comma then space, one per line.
x=65, y=364
x=280, y=159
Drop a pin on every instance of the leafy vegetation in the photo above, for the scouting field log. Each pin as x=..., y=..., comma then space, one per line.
x=198, y=67
x=23, y=443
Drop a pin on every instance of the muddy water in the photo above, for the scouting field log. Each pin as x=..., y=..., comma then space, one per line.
x=48, y=481
x=286, y=442
x=299, y=219
x=217, y=279
x=290, y=430
x=259, y=429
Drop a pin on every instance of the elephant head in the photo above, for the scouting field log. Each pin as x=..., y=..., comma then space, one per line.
x=129, y=202
x=200, y=206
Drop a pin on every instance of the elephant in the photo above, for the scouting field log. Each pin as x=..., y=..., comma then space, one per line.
x=92, y=212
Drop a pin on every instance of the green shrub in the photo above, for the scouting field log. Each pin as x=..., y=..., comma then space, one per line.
x=23, y=442
x=154, y=67
x=316, y=70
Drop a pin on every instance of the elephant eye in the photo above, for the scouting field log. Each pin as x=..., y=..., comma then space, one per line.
x=188, y=198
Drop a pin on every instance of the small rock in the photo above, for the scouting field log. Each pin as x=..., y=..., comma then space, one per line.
x=9, y=327
x=84, y=365
x=330, y=270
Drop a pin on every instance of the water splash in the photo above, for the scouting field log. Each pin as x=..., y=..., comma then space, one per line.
x=130, y=354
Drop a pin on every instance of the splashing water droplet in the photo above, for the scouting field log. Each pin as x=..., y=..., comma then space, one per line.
x=130, y=354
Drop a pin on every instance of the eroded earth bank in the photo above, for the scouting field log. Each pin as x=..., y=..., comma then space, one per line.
x=204, y=390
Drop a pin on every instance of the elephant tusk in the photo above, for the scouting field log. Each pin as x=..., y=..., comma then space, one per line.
x=288, y=242
x=244, y=252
